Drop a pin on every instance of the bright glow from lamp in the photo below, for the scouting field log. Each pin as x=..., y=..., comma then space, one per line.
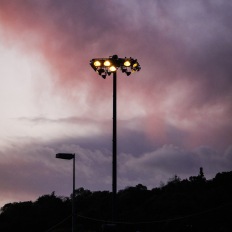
x=112, y=68
x=97, y=63
x=135, y=65
x=106, y=66
x=127, y=63
x=107, y=63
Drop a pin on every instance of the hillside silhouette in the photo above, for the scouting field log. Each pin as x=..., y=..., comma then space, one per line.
x=193, y=204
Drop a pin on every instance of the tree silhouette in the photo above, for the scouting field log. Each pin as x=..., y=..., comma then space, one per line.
x=193, y=204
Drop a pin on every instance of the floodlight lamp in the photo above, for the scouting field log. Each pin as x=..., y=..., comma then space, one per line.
x=135, y=65
x=128, y=73
x=108, y=73
x=97, y=63
x=112, y=68
x=123, y=69
x=100, y=71
x=127, y=63
x=133, y=70
x=105, y=66
x=107, y=63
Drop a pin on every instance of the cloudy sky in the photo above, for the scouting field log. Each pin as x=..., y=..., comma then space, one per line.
x=174, y=116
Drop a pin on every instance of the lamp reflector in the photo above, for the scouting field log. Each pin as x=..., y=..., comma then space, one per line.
x=128, y=73
x=123, y=69
x=107, y=63
x=135, y=65
x=97, y=63
x=100, y=71
x=112, y=68
x=127, y=63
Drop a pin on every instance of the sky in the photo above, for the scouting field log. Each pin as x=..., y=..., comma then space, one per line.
x=174, y=115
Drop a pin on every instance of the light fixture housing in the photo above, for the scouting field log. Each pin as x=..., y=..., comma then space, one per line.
x=67, y=156
x=105, y=66
x=107, y=63
x=97, y=63
x=127, y=63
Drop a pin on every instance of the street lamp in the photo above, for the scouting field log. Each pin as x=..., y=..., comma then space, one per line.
x=105, y=67
x=69, y=156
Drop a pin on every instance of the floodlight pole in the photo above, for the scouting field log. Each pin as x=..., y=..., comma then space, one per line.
x=114, y=160
x=104, y=67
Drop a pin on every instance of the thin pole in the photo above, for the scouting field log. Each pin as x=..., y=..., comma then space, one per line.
x=73, y=196
x=114, y=161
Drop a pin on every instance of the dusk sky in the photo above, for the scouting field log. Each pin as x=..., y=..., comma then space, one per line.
x=174, y=116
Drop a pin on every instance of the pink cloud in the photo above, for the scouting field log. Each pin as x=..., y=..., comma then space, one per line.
x=69, y=38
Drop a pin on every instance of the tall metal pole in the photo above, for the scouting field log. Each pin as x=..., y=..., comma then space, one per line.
x=105, y=67
x=73, y=196
x=114, y=164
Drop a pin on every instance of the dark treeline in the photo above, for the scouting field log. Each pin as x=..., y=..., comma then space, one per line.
x=193, y=204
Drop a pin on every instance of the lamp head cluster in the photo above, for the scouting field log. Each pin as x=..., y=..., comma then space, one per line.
x=106, y=66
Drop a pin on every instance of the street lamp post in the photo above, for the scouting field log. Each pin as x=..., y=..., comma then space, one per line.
x=105, y=67
x=69, y=156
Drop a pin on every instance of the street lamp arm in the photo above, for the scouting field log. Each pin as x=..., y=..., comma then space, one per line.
x=67, y=156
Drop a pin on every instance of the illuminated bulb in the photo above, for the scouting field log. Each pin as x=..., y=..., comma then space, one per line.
x=127, y=63
x=135, y=65
x=112, y=69
x=97, y=63
x=107, y=63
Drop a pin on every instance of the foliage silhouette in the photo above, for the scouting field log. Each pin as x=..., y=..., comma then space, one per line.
x=193, y=204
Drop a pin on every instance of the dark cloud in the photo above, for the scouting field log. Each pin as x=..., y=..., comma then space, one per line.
x=30, y=169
